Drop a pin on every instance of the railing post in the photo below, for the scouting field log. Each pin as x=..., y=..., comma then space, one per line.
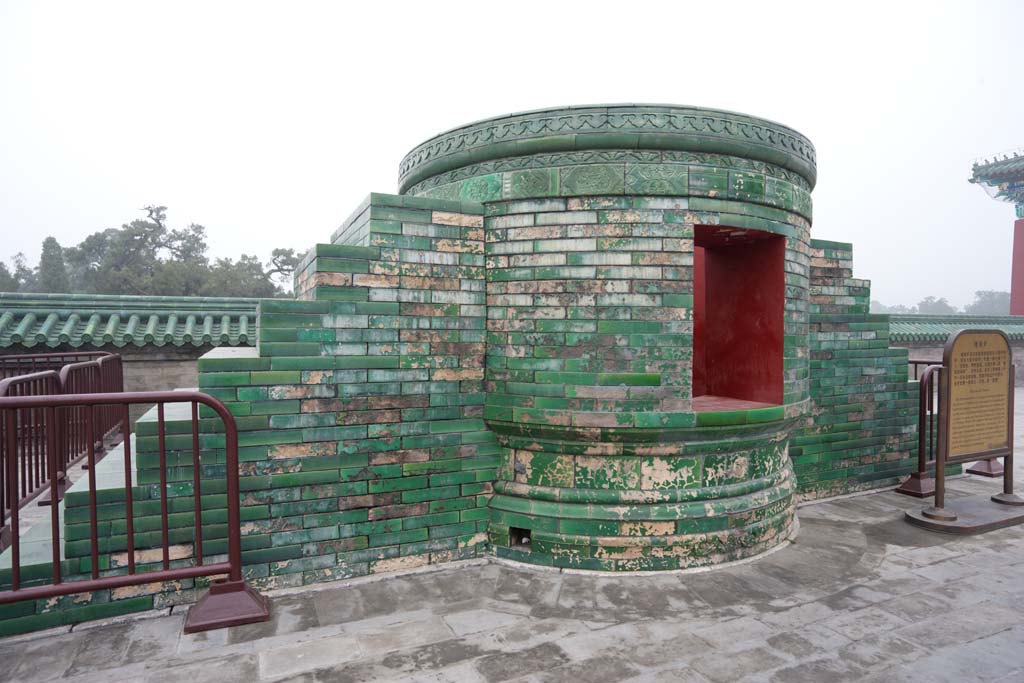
x=234, y=501
x=5, y=532
x=55, y=493
x=12, y=495
x=30, y=434
x=919, y=484
x=1008, y=497
x=229, y=602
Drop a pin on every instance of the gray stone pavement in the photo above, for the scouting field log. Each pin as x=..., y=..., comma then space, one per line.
x=859, y=595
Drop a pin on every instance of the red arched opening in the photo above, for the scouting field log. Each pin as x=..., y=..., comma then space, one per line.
x=739, y=310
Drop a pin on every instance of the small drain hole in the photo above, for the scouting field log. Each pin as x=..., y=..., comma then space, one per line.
x=519, y=538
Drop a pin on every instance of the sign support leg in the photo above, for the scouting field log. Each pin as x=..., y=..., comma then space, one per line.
x=1007, y=497
x=938, y=511
x=987, y=468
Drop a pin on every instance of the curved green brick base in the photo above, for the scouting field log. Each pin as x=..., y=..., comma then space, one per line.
x=662, y=500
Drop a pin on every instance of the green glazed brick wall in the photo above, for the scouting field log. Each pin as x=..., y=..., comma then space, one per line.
x=363, y=438
x=616, y=504
x=598, y=292
x=36, y=615
x=589, y=280
x=589, y=364
x=863, y=428
x=591, y=216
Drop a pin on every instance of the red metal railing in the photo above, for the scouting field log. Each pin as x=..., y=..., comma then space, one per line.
x=917, y=366
x=100, y=376
x=111, y=382
x=27, y=363
x=72, y=432
x=22, y=478
x=229, y=602
x=919, y=484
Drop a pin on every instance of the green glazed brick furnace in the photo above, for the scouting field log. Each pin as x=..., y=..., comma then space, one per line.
x=647, y=273
x=589, y=337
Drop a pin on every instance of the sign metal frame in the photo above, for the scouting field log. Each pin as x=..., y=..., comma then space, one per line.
x=942, y=459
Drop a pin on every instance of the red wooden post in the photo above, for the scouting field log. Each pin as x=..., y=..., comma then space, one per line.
x=1017, y=275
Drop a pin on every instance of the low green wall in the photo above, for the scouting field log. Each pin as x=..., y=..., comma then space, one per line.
x=862, y=429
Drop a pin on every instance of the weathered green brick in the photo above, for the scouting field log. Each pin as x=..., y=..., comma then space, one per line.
x=398, y=537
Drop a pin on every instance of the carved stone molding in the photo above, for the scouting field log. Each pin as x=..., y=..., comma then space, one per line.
x=621, y=127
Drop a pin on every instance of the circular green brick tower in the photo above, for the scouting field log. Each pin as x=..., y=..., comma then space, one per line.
x=647, y=321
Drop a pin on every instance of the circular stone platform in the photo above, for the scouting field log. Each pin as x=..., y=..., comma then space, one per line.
x=647, y=304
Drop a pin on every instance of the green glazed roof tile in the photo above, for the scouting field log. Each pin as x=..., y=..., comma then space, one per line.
x=1006, y=178
x=82, y=320
x=999, y=170
x=937, y=328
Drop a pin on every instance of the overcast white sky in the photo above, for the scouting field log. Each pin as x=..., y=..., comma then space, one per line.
x=268, y=123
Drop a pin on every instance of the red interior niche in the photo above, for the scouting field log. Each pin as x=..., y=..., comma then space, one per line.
x=739, y=297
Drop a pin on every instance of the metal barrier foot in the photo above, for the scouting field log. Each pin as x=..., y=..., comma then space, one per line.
x=987, y=468
x=1007, y=499
x=227, y=603
x=939, y=514
x=918, y=485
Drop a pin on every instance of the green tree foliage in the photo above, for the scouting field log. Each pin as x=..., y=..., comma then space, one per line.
x=283, y=263
x=52, y=272
x=898, y=309
x=7, y=281
x=988, y=302
x=24, y=277
x=147, y=257
x=244, y=277
x=932, y=306
x=141, y=257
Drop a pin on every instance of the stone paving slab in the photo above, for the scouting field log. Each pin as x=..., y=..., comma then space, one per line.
x=859, y=595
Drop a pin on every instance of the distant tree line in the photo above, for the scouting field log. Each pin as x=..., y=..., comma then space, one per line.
x=986, y=302
x=147, y=257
